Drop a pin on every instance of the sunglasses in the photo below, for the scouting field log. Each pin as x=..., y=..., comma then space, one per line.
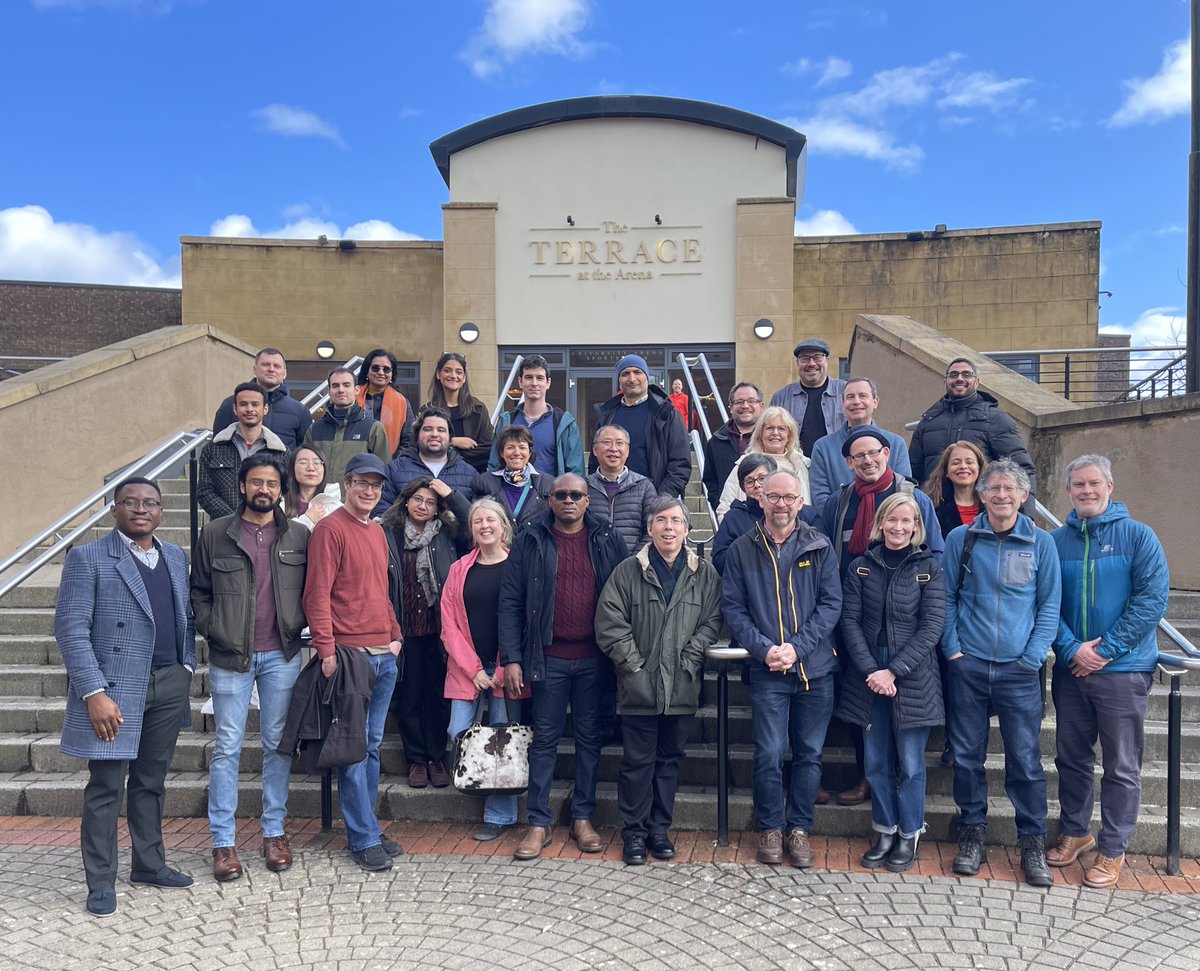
x=381, y=369
x=574, y=495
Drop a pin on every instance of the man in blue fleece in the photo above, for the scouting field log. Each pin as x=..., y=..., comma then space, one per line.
x=1002, y=597
x=1115, y=587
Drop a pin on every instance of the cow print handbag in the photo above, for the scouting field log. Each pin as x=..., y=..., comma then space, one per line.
x=492, y=760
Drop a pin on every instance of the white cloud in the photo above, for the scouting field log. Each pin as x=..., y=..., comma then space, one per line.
x=897, y=87
x=408, y=111
x=841, y=136
x=513, y=28
x=296, y=122
x=1166, y=94
x=825, y=222
x=981, y=89
x=33, y=246
x=1156, y=327
x=239, y=225
x=829, y=70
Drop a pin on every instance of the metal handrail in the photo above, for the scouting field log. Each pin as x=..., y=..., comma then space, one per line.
x=320, y=394
x=512, y=376
x=1150, y=379
x=687, y=376
x=698, y=449
x=191, y=440
x=714, y=391
x=724, y=656
x=1083, y=350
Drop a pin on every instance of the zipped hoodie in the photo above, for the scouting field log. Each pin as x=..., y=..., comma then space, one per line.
x=1115, y=585
x=792, y=595
x=1007, y=609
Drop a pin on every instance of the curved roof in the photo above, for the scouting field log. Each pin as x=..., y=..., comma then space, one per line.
x=621, y=106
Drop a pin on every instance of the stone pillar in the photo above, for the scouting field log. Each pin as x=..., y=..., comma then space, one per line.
x=766, y=242
x=469, y=291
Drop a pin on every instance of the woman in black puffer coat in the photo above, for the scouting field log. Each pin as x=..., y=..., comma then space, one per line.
x=894, y=606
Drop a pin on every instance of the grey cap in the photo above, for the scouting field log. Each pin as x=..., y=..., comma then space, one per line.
x=811, y=344
x=365, y=462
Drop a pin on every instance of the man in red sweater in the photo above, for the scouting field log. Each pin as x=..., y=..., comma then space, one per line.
x=346, y=602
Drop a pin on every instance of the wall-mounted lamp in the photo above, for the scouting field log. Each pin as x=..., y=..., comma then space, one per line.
x=570, y=220
x=326, y=350
x=657, y=219
x=468, y=333
x=345, y=245
x=763, y=328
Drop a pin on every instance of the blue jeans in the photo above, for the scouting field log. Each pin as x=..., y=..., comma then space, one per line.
x=895, y=764
x=782, y=711
x=578, y=684
x=358, y=784
x=1014, y=693
x=501, y=810
x=231, y=690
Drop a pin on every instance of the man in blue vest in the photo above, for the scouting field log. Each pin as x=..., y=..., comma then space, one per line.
x=124, y=627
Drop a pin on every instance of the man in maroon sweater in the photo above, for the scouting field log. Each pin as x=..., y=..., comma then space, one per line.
x=346, y=602
x=547, y=615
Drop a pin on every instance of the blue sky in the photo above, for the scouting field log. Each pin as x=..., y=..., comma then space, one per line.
x=128, y=123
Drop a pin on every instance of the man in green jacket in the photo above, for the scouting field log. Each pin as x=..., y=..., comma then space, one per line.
x=658, y=613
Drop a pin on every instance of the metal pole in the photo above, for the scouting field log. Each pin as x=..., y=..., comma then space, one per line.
x=1193, y=264
x=723, y=754
x=1067, y=377
x=512, y=376
x=327, y=800
x=1174, y=745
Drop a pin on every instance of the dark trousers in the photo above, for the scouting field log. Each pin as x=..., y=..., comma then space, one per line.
x=166, y=706
x=1111, y=708
x=649, y=774
x=577, y=684
x=420, y=700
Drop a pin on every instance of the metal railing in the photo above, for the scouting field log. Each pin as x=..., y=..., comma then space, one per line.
x=1100, y=375
x=714, y=394
x=319, y=395
x=512, y=376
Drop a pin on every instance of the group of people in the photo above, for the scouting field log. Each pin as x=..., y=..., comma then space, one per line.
x=444, y=567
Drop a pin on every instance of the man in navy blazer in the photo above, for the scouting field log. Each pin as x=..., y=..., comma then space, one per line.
x=124, y=627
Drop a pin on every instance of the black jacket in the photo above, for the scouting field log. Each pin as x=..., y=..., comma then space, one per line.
x=976, y=418
x=488, y=484
x=666, y=442
x=286, y=417
x=408, y=465
x=914, y=610
x=527, y=588
x=452, y=541
x=720, y=456
x=477, y=424
x=327, y=719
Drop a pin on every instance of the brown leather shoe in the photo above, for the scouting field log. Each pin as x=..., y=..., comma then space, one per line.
x=1104, y=872
x=856, y=794
x=822, y=795
x=277, y=853
x=583, y=833
x=799, y=848
x=536, y=839
x=770, y=846
x=226, y=865
x=1068, y=849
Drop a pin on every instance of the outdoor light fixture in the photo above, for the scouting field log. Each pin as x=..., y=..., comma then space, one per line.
x=468, y=333
x=326, y=350
x=763, y=328
x=570, y=220
x=657, y=219
x=346, y=245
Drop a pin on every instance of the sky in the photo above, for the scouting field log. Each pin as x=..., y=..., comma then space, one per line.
x=125, y=124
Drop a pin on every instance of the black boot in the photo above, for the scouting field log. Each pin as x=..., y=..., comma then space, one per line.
x=971, y=851
x=877, y=855
x=904, y=854
x=1033, y=862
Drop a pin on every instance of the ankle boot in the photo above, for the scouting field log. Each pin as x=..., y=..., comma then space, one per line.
x=877, y=855
x=903, y=855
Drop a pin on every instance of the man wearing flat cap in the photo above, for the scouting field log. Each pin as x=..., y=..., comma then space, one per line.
x=658, y=443
x=815, y=401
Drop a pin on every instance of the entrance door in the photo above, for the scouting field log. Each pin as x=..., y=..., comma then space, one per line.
x=588, y=388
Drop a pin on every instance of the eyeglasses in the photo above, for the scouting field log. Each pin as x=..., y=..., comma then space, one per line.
x=810, y=358
x=309, y=463
x=960, y=374
x=423, y=502
x=574, y=495
x=743, y=402
x=366, y=485
x=777, y=500
x=612, y=443
x=863, y=456
x=381, y=369
x=264, y=483
x=755, y=479
x=133, y=505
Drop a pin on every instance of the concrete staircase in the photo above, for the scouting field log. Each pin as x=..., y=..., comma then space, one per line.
x=36, y=779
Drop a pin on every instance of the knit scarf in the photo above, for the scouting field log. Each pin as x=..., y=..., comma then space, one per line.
x=516, y=477
x=867, y=491
x=419, y=539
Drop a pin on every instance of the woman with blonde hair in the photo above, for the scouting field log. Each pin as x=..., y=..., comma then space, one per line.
x=776, y=435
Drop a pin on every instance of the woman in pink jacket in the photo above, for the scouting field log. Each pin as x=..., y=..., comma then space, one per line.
x=469, y=634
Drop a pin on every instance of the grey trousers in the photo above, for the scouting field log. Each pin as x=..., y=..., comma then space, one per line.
x=167, y=697
x=1111, y=707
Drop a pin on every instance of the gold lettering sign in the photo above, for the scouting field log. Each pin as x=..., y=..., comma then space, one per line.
x=615, y=250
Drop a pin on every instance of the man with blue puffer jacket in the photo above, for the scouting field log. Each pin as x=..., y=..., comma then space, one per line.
x=1003, y=589
x=1115, y=588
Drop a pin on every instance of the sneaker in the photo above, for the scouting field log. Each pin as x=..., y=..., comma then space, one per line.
x=971, y=851
x=1033, y=862
x=390, y=847
x=491, y=831
x=1101, y=875
x=373, y=859
x=102, y=903
x=1068, y=848
x=799, y=848
x=439, y=778
x=418, y=775
x=770, y=846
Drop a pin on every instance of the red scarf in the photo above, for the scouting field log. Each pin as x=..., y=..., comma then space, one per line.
x=860, y=538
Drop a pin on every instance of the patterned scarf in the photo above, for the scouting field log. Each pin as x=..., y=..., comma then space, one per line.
x=419, y=539
x=867, y=491
x=516, y=477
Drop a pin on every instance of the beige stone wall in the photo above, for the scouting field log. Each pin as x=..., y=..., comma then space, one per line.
x=112, y=406
x=291, y=294
x=765, y=244
x=999, y=289
x=470, y=291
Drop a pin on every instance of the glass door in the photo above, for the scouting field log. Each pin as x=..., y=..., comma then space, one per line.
x=588, y=388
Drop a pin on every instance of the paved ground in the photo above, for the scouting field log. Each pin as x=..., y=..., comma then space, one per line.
x=444, y=908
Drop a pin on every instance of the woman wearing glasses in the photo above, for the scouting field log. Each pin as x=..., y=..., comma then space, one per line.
x=744, y=513
x=776, y=435
x=379, y=397
x=424, y=529
x=470, y=426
